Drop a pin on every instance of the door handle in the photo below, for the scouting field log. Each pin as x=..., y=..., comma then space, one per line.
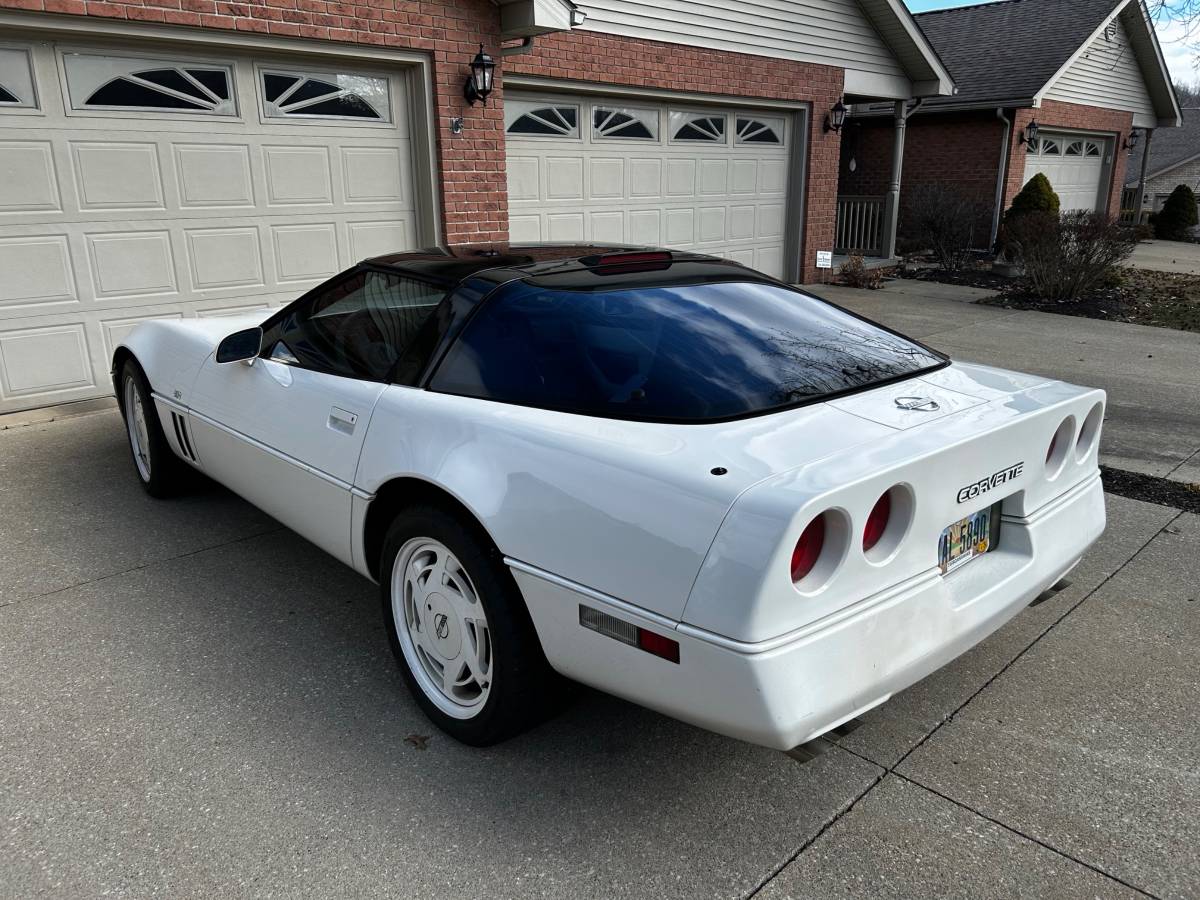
x=342, y=420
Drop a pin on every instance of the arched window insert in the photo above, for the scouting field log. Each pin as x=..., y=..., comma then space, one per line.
x=1050, y=147
x=343, y=96
x=626, y=123
x=1091, y=149
x=16, y=78
x=756, y=131
x=190, y=89
x=701, y=128
x=547, y=120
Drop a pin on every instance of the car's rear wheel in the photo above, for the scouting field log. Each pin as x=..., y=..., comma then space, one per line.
x=460, y=631
x=159, y=470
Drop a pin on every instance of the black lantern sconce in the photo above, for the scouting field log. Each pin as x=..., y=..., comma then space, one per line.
x=479, y=82
x=1131, y=142
x=836, y=118
x=1029, y=136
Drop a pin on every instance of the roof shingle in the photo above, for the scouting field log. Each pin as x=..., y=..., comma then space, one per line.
x=1168, y=147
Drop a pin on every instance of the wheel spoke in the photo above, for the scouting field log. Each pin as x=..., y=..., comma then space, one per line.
x=477, y=651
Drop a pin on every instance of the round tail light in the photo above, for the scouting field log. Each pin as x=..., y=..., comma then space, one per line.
x=808, y=549
x=877, y=521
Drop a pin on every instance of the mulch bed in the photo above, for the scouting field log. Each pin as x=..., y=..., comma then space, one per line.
x=1140, y=296
x=1152, y=489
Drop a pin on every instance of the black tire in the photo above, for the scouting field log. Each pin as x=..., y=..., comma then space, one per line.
x=523, y=690
x=168, y=475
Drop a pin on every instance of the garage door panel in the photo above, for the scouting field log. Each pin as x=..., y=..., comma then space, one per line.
x=213, y=176
x=1075, y=166
x=38, y=272
x=694, y=184
x=108, y=217
x=29, y=183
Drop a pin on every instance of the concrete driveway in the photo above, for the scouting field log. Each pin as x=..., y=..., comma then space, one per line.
x=1152, y=375
x=1166, y=256
x=195, y=703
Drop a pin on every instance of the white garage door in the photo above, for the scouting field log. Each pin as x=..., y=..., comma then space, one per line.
x=711, y=179
x=1075, y=167
x=136, y=183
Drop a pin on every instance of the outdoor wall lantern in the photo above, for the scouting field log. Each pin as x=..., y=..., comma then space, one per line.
x=479, y=82
x=1131, y=142
x=836, y=117
x=1029, y=138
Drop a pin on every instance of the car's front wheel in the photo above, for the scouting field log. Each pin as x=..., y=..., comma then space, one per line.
x=160, y=471
x=460, y=631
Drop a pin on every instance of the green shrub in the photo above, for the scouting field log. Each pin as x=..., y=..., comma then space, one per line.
x=1066, y=256
x=1036, y=196
x=1178, y=215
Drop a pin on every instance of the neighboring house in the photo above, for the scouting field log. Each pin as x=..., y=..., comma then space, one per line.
x=1174, y=160
x=178, y=158
x=1086, y=73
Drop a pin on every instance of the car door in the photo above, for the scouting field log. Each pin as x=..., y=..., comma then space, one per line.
x=286, y=431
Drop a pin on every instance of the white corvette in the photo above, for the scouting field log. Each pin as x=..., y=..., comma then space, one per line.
x=656, y=473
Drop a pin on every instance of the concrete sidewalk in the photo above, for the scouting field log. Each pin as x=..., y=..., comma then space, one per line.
x=194, y=703
x=1152, y=375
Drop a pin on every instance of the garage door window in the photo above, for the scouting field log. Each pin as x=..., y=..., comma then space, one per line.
x=695, y=127
x=541, y=120
x=625, y=122
x=290, y=95
x=1049, y=147
x=16, y=78
x=125, y=83
x=1082, y=148
x=759, y=131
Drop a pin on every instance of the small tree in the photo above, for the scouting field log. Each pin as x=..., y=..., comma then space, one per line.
x=1066, y=256
x=942, y=220
x=1036, y=196
x=1178, y=216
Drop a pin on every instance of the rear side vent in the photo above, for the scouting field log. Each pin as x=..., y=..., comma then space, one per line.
x=628, y=633
x=181, y=435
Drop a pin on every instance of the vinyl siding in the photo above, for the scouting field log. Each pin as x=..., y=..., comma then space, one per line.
x=827, y=32
x=1106, y=75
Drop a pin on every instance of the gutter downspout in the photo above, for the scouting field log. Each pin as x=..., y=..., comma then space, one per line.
x=1141, y=188
x=1001, y=175
x=892, y=203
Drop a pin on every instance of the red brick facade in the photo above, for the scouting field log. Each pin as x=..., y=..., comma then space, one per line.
x=473, y=201
x=963, y=149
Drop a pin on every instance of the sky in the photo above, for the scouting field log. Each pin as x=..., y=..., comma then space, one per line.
x=1180, y=60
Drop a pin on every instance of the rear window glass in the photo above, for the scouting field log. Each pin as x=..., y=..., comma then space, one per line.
x=683, y=353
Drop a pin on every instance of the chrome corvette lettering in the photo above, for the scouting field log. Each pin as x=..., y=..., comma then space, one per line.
x=1008, y=473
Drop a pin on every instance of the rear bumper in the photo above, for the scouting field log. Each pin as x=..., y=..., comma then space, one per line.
x=788, y=690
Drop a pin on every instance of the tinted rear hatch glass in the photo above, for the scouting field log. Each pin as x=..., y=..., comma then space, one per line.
x=680, y=353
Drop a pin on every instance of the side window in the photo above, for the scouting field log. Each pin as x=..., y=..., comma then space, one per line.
x=358, y=328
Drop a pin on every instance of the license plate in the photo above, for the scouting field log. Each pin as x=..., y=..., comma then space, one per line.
x=968, y=538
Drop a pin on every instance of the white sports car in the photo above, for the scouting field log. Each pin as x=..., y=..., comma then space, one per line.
x=657, y=473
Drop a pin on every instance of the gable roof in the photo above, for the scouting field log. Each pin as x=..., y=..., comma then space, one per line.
x=1011, y=52
x=1169, y=148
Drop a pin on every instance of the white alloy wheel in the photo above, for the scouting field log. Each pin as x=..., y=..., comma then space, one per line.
x=442, y=627
x=139, y=433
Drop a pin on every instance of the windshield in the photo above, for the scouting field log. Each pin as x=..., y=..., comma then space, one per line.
x=680, y=353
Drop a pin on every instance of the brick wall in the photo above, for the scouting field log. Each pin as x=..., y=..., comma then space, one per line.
x=612, y=59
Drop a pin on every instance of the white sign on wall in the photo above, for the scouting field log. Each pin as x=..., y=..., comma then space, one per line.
x=824, y=259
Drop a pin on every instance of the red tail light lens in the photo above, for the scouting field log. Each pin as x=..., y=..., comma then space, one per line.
x=658, y=645
x=808, y=548
x=877, y=521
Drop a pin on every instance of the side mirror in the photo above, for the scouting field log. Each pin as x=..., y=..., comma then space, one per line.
x=241, y=345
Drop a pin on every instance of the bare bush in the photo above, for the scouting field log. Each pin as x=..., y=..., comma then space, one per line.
x=855, y=273
x=942, y=220
x=1066, y=256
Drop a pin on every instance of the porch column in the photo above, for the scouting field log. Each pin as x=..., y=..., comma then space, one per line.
x=891, y=207
x=1141, y=188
